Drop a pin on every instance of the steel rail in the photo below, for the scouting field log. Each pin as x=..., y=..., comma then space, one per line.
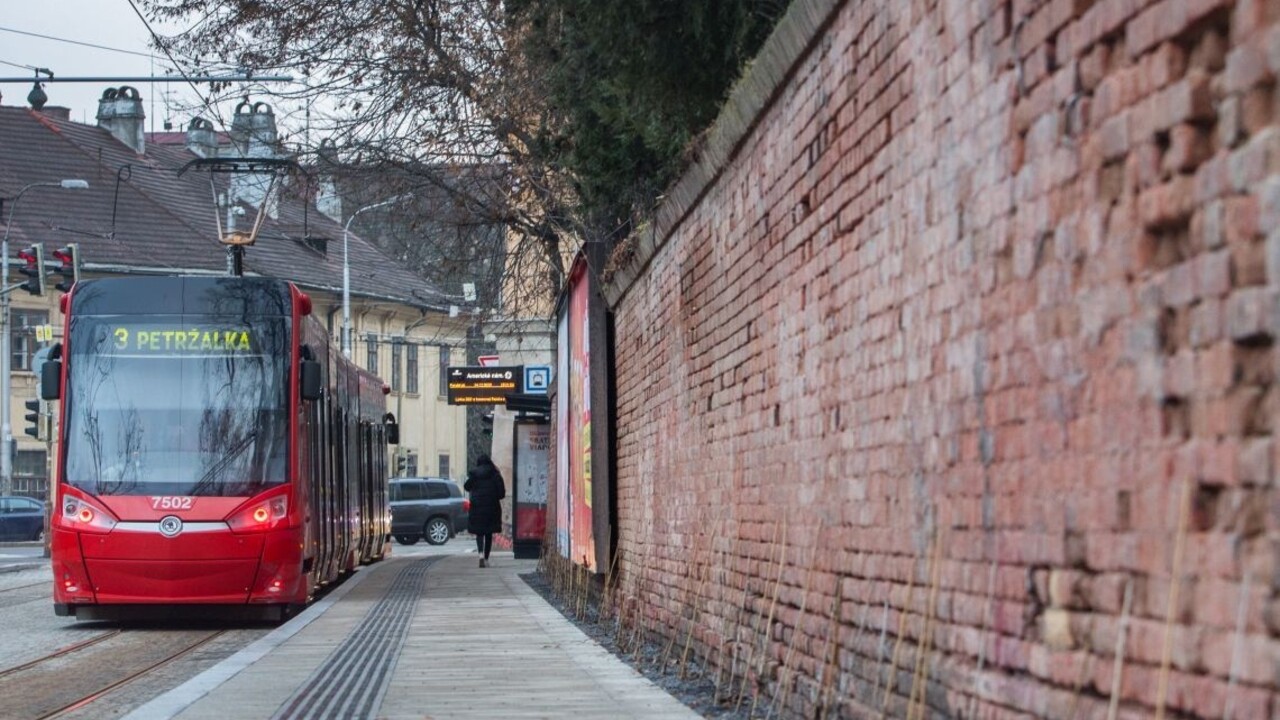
x=59, y=653
x=131, y=677
x=24, y=587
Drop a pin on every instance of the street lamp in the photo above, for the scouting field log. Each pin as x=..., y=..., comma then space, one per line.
x=6, y=354
x=346, y=273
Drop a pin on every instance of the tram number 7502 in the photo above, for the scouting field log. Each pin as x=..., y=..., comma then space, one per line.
x=171, y=502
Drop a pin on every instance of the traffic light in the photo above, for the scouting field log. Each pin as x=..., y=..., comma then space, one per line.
x=33, y=257
x=402, y=465
x=33, y=418
x=68, y=266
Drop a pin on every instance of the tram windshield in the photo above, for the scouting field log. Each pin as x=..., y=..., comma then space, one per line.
x=176, y=407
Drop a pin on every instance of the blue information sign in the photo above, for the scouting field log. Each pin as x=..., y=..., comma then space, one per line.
x=537, y=379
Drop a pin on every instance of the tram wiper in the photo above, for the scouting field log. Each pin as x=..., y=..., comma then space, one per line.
x=220, y=465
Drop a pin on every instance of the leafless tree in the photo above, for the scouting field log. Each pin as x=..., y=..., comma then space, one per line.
x=425, y=97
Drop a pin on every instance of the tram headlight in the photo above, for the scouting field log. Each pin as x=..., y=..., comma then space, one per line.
x=262, y=515
x=83, y=515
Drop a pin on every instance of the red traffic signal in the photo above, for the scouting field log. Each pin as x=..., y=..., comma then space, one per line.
x=68, y=266
x=33, y=268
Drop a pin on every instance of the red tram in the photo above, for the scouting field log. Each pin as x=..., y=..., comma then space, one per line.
x=215, y=449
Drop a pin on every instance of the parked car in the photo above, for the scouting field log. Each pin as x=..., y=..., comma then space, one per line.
x=427, y=507
x=21, y=518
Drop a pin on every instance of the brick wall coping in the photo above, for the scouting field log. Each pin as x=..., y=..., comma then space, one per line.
x=792, y=38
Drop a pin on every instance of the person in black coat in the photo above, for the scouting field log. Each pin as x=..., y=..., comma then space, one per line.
x=487, y=488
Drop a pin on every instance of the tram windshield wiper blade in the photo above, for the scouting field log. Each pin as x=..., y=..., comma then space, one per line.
x=221, y=464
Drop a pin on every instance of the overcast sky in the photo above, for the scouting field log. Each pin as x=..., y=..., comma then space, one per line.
x=110, y=23
x=100, y=22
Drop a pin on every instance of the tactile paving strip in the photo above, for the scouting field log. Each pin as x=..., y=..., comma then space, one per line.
x=350, y=683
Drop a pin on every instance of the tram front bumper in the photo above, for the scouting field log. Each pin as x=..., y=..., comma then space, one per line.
x=217, y=567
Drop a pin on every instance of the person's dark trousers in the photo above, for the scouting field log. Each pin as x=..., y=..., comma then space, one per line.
x=484, y=543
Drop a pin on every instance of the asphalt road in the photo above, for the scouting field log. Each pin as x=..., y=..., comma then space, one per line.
x=16, y=556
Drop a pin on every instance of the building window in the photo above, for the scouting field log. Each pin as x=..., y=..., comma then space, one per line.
x=30, y=474
x=411, y=463
x=411, y=368
x=372, y=341
x=396, y=347
x=444, y=465
x=29, y=463
x=444, y=370
x=24, y=336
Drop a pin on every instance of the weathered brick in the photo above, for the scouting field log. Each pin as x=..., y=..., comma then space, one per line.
x=1206, y=322
x=1229, y=122
x=1272, y=251
x=1240, y=219
x=1248, y=263
x=1246, y=67
x=1188, y=147
x=1190, y=99
x=1250, y=314
x=1207, y=225
x=1043, y=313
x=1257, y=109
x=1167, y=204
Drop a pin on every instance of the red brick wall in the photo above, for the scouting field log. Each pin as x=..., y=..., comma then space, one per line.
x=995, y=278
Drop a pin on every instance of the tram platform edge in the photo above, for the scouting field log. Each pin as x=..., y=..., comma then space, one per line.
x=418, y=637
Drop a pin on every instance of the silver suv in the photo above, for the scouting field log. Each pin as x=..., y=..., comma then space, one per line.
x=427, y=507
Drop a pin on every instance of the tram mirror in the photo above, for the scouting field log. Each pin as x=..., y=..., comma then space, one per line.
x=311, y=387
x=393, y=429
x=51, y=379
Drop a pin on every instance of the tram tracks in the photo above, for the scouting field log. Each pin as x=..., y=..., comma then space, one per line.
x=23, y=594
x=58, y=653
x=15, y=588
x=71, y=678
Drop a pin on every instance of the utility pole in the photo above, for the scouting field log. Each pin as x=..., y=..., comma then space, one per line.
x=6, y=332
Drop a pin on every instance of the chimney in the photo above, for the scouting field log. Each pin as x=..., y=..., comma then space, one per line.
x=120, y=113
x=328, y=199
x=253, y=133
x=201, y=138
x=253, y=130
x=56, y=111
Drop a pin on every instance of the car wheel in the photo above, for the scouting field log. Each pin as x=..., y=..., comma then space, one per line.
x=437, y=531
x=38, y=535
x=407, y=539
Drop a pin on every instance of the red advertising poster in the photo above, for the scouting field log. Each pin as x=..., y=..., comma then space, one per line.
x=562, y=436
x=532, y=443
x=581, y=541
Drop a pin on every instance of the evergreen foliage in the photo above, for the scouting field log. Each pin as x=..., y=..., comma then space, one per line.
x=630, y=84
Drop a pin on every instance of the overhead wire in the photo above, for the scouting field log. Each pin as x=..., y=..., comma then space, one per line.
x=82, y=43
x=74, y=42
x=155, y=37
x=18, y=65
